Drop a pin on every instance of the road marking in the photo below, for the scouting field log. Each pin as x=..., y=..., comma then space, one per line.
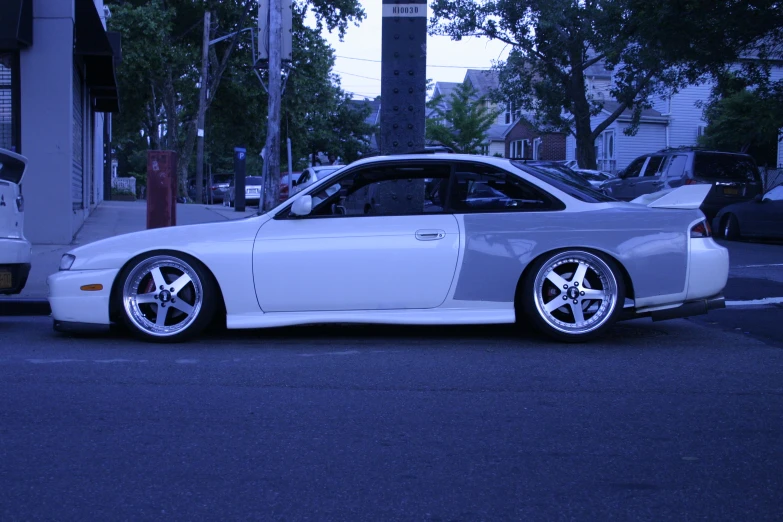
x=756, y=302
x=347, y=352
x=107, y=361
x=759, y=266
x=187, y=361
x=46, y=361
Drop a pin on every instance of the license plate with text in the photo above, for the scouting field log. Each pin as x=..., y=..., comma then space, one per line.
x=6, y=280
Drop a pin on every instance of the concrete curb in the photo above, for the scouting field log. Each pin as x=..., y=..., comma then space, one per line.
x=24, y=306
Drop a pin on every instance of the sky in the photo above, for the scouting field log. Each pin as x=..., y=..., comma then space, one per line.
x=358, y=56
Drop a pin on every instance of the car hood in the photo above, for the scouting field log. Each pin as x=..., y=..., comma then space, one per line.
x=114, y=252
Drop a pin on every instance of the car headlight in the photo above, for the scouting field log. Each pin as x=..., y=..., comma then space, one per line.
x=66, y=262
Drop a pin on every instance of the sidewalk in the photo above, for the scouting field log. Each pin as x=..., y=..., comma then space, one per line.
x=110, y=218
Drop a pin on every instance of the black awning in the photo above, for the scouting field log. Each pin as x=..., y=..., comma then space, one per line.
x=16, y=24
x=101, y=51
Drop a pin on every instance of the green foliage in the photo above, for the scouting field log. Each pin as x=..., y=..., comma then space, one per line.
x=158, y=80
x=745, y=121
x=462, y=121
x=649, y=47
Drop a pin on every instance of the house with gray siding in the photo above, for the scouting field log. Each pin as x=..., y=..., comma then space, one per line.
x=58, y=89
x=675, y=120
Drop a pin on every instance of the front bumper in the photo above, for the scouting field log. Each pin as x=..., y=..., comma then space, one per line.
x=71, y=304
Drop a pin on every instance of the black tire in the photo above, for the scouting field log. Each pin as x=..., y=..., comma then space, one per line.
x=602, y=274
x=138, y=282
x=731, y=229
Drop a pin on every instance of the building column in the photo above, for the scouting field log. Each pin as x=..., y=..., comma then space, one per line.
x=46, y=75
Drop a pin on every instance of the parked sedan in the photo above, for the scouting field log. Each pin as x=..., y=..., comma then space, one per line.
x=254, y=188
x=15, y=250
x=760, y=218
x=550, y=253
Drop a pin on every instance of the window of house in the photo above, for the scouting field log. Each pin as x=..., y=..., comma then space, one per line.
x=537, y=148
x=385, y=190
x=483, y=188
x=9, y=102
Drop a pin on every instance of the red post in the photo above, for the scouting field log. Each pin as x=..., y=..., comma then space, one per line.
x=161, y=188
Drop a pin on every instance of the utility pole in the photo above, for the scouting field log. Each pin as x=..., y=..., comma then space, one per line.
x=272, y=159
x=202, y=109
x=403, y=76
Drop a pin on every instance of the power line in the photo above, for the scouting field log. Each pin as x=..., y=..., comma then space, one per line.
x=428, y=65
x=358, y=76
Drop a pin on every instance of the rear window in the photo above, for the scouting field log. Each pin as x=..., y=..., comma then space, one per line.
x=11, y=169
x=254, y=180
x=726, y=167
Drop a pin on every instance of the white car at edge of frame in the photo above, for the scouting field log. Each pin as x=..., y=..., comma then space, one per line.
x=449, y=239
x=15, y=249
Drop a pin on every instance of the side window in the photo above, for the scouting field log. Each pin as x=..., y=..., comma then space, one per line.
x=482, y=188
x=653, y=167
x=676, y=166
x=385, y=190
x=635, y=168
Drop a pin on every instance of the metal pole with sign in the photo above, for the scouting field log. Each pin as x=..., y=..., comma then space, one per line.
x=239, y=179
x=403, y=76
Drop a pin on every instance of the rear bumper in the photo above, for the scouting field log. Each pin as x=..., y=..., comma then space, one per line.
x=19, y=274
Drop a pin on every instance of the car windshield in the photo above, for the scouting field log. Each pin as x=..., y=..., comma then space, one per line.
x=565, y=180
x=728, y=167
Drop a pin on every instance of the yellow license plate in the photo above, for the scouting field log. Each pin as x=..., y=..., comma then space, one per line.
x=6, y=280
x=731, y=191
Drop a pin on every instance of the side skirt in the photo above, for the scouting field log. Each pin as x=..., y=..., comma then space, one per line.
x=402, y=317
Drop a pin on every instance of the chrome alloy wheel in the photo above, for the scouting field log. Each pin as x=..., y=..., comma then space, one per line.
x=162, y=296
x=575, y=292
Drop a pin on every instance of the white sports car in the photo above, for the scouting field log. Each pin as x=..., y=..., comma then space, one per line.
x=411, y=239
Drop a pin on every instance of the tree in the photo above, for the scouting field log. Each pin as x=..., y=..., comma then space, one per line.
x=744, y=118
x=462, y=122
x=649, y=47
x=160, y=71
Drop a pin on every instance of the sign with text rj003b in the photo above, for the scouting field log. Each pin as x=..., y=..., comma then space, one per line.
x=403, y=76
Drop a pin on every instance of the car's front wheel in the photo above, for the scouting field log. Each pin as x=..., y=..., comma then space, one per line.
x=573, y=295
x=167, y=297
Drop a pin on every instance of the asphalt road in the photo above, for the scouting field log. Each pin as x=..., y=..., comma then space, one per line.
x=678, y=420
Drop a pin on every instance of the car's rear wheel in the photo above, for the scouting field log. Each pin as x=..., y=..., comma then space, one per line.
x=731, y=229
x=167, y=297
x=573, y=295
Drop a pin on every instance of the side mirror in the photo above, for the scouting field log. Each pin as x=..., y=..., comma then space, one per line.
x=302, y=206
x=759, y=198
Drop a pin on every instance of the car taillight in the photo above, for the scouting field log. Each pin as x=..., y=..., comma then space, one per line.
x=20, y=203
x=694, y=182
x=701, y=229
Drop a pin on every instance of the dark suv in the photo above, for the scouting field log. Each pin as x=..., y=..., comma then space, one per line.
x=735, y=177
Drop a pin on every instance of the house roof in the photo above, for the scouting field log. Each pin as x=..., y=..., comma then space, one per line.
x=647, y=114
x=483, y=81
x=375, y=110
x=444, y=88
x=498, y=132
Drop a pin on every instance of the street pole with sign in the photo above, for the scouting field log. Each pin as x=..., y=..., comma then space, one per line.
x=239, y=179
x=403, y=76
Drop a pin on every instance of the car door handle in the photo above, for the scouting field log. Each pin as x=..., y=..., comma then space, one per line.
x=430, y=235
